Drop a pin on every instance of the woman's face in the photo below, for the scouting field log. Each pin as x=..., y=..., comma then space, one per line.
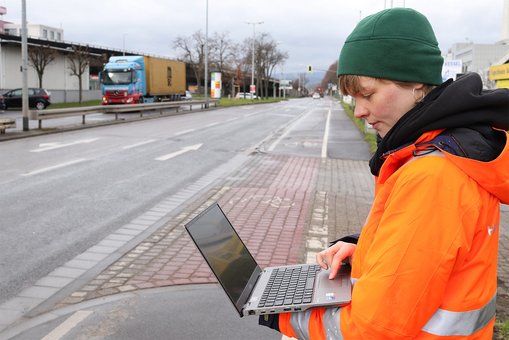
x=382, y=103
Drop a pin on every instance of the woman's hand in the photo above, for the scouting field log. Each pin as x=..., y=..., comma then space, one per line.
x=332, y=257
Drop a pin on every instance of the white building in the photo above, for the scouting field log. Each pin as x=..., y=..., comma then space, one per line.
x=57, y=75
x=499, y=71
x=35, y=31
x=478, y=57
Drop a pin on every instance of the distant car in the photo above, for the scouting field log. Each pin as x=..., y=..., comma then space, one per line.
x=316, y=95
x=38, y=98
x=245, y=95
x=188, y=96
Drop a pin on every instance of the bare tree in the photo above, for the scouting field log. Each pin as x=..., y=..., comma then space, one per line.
x=79, y=61
x=221, y=50
x=240, y=63
x=39, y=57
x=193, y=52
x=299, y=85
x=234, y=61
x=271, y=58
x=244, y=57
x=267, y=57
x=330, y=76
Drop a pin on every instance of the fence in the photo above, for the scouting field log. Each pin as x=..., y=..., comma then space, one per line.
x=161, y=107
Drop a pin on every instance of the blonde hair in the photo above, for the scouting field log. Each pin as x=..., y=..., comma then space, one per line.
x=349, y=84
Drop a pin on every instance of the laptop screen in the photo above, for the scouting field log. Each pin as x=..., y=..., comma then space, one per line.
x=224, y=251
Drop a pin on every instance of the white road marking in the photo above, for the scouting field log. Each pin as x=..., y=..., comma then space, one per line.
x=52, y=146
x=326, y=135
x=68, y=325
x=288, y=129
x=180, y=152
x=138, y=144
x=212, y=124
x=54, y=167
x=184, y=132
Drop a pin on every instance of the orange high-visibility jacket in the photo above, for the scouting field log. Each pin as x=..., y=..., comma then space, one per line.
x=425, y=266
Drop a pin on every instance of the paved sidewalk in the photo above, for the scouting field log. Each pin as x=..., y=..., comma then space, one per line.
x=286, y=208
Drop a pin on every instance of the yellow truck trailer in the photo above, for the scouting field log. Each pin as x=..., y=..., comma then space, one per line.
x=139, y=79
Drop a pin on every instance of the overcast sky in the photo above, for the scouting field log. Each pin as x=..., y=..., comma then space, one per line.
x=312, y=32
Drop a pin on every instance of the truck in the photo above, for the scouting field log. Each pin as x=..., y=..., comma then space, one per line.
x=142, y=79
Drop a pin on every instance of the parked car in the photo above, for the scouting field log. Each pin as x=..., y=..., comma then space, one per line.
x=245, y=95
x=38, y=98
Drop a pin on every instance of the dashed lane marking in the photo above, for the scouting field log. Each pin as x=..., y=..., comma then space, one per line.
x=139, y=144
x=54, y=167
x=66, y=326
x=184, y=132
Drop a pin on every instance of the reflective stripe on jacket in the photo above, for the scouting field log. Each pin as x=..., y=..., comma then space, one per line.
x=426, y=261
x=442, y=323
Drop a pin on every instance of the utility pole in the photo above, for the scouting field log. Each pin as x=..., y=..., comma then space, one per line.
x=123, y=43
x=24, y=67
x=253, y=55
x=207, y=54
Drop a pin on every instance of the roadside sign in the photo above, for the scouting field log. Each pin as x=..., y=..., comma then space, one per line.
x=285, y=84
x=451, y=69
x=215, y=85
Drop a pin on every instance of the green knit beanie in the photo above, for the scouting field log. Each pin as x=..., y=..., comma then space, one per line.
x=396, y=44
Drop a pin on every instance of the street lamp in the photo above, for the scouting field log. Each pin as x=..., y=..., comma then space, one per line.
x=253, y=55
x=206, y=53
x=24, y=67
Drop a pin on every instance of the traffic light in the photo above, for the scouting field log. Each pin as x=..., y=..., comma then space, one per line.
x=310, y=68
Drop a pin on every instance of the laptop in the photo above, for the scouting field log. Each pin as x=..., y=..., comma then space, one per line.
x=257, y=291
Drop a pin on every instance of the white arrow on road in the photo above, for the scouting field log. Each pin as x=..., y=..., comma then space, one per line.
x=180, y=152
x=51, y=146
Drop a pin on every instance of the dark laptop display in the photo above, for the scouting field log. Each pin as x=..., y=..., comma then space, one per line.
x=256, y=291
x=225, y=253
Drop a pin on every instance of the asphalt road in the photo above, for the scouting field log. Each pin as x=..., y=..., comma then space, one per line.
x=176, y=313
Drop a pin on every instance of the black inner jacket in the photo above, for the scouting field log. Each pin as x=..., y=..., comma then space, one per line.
x=464, y=109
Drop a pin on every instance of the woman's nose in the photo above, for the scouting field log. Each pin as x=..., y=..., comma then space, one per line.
x=360, y=111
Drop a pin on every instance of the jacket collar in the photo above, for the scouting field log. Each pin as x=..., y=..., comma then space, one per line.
x=395, y=159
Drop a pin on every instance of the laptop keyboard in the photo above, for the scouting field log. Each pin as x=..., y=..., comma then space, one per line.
x=290, y=286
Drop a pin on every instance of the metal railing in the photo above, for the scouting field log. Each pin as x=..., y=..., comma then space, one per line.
x=6, y=123
x=41, y=115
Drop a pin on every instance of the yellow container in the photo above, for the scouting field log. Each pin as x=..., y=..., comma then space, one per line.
x=165, y=77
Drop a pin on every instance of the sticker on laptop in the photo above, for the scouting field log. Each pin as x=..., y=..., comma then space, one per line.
x=330, y=296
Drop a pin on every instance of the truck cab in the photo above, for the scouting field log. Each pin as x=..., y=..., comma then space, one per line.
x=123, y=80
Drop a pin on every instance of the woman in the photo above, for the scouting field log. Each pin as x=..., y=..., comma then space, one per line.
x=425, y=266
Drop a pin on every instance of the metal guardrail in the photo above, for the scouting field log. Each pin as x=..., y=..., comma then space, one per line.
x=41, y=115
x=6, y=123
